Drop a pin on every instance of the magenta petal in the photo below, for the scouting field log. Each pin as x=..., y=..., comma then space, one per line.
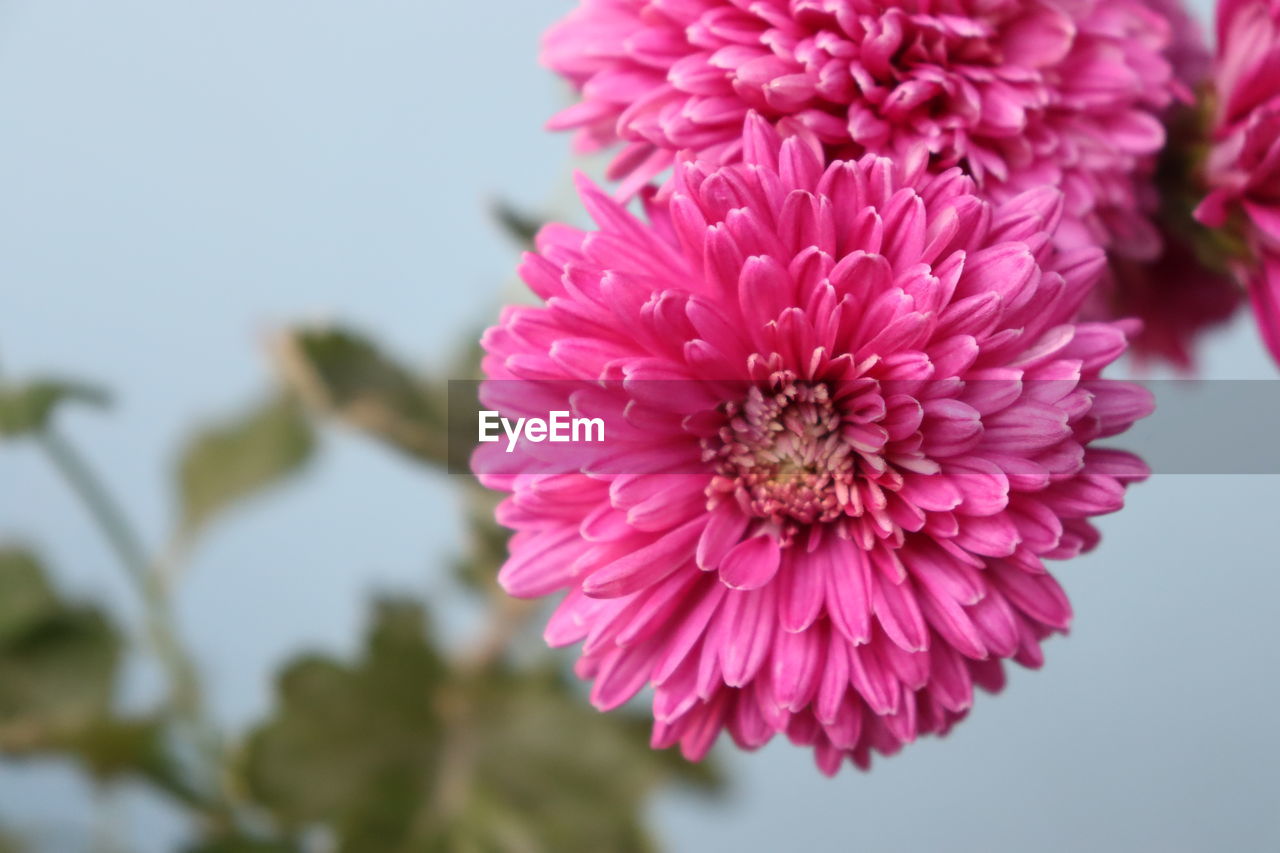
x=647, y=565
x=752, y=630
x=899, y=614
x=724, y=530
x=751, y=564
x=801, y=589
x=848, y=582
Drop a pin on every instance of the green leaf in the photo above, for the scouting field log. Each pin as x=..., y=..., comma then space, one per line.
x=57, y=663
x=354, y=745
x=346, y=376
x=400, y=752
x=232, y=461
x=26, y=598
x=138, y=748
x=28, y=408
x=552, y=773
x=521, y=227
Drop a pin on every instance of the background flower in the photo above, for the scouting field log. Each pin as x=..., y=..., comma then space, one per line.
x=1177, y=298
x=1244, y=167
x=1019, y=94
x=850, y=416
x=1185, y=291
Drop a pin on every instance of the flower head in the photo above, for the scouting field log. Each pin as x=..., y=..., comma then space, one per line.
x=1176, y=294
x=850, y=415
x=1244, y=166
x=1177, y=298
x=1019, y=94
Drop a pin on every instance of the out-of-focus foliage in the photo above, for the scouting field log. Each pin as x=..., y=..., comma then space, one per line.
x=357, y=746
x=57, y=660
x=58, y=666
x=25, y=596
x=581, y=776
x=343, y=374
x=229, y=462
x=140, y=748
x=27, y=408
x=409, y=748
x=401, y=751
x=520, y=226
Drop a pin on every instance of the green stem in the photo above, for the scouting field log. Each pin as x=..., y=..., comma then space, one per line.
x=151, y=584
x=104, y=509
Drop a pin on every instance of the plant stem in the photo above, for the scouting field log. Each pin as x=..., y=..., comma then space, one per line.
x=506, y=617
x=104, y=509
x=151, y=584
x=122, y=538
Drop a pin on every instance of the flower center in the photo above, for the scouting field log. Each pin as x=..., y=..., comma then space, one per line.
x=780, y=455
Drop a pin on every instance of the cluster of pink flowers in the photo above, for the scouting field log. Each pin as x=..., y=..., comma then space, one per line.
x=845, y=318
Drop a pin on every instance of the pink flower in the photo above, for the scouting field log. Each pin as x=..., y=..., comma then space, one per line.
x=849, y=415
x=1244, y=166
x=1020, y=94
x=1188, y=51
x=1176, y=297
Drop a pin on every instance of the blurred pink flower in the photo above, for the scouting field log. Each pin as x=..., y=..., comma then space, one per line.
x=1244, y=167
x=849, y=415
x=1188, y=50
x=1176, y=295
x=1020, y=94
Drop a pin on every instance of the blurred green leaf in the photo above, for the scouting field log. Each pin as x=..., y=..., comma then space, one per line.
x=354, y=745
x=28, y=408
x=26, y=598
x=138, y=748
x=521, y=227
x=57, y=662
x=399, y=752
x=343, y=374
x=232, y=461
x=552, y=773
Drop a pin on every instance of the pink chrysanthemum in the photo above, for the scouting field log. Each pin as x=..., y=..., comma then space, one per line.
x=1020, y=94
x=849, y=415
x=1244, y=166
x=1176, y=296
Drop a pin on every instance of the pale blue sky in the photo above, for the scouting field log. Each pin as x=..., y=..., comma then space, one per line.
x=177, y=179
